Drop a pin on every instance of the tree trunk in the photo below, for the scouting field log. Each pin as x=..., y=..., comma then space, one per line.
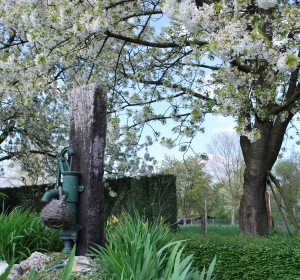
x=233, y=215
x=294, y=211
x=204, y=229
x=284, y=214
x=259, y=157
x=269, y=210
x=253, y=210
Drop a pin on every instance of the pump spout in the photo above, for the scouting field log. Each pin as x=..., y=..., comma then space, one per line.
x=50, y=194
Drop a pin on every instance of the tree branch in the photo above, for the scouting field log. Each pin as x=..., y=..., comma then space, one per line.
x=202, y=66
x=276, y=138
x=184, y=90
x=7, y=131
x=293, y=94
x=143, y=14
x=15, y=154
x=242, y=67
x=146, y=43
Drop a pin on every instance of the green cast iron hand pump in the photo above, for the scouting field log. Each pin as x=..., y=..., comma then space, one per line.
x=68, y=181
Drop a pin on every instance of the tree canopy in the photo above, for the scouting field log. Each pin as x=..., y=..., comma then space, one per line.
x=193, y=184
x=288, y=174
x=250, y=47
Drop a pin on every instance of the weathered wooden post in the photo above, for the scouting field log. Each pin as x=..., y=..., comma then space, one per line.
x=87, y=138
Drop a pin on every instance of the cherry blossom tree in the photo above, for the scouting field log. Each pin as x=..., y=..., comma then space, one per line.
x=235, y=57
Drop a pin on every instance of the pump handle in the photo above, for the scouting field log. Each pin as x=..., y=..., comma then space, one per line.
x=63, y=164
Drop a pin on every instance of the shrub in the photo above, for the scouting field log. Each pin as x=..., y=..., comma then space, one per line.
x=276, y=257
x=21, y=234
x=139, y=250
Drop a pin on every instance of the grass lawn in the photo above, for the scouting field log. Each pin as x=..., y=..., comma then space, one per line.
x=216, y=229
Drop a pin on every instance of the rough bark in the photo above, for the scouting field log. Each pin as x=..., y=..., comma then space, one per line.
x=253, y=210
x=87, y=137
x=259, y=157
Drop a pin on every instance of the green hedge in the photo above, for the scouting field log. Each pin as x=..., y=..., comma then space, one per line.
x=27, y=196
x=239, y=257
x=153, y=197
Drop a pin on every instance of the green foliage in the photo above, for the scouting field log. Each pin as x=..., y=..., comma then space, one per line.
x=288, y=174
x=2, y=195
x=191, y=183
x=276, y=257
x=153, y=196
x=210, y=270
x=21, y=234
x=137, y=249
x=32, y=275
x=291, y=59
x=68, y=268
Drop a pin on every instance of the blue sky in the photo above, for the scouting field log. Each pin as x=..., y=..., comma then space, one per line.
x=213, y=124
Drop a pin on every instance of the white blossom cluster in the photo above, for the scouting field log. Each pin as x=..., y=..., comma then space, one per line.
x=56, y=31
x=168, y=142
x=113, y=130
x=253, y=41
x=60, y=44
x=189, y=14
x=284, y=66
x=252, y=135
x=67, y=37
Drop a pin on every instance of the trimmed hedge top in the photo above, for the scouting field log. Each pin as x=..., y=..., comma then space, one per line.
x=239, y=257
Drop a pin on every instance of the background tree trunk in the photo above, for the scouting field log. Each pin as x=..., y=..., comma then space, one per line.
x=270, y=219
x=233, y=215
x=284, y=214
